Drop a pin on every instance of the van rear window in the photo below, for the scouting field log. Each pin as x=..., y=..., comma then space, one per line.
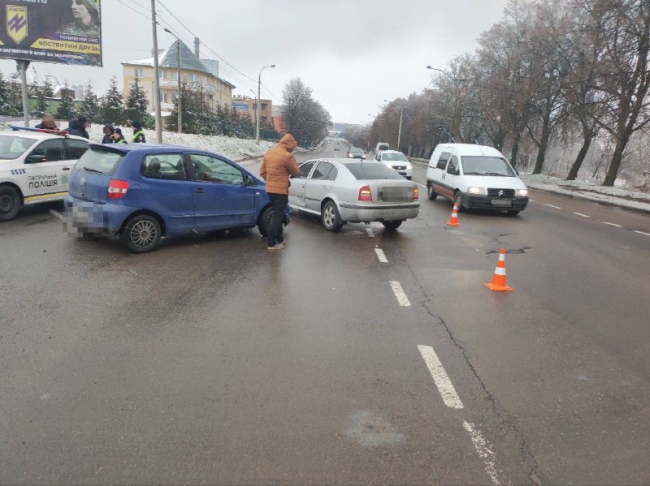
x=369, y=171
x=98, y=160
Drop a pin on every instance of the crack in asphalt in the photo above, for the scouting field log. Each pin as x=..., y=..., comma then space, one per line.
x=500, y=411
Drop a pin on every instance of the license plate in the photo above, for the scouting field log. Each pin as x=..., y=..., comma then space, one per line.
x=504, y=203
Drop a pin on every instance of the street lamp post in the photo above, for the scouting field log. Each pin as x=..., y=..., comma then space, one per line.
x=179, y=98
x=258, y=111
x=456, y=82
x=156, y=81
x=399, y=131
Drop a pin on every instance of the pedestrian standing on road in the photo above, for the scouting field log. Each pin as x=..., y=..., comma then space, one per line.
x=78, y=127
x=278, y=164
x=138, y=134
x=108, y=134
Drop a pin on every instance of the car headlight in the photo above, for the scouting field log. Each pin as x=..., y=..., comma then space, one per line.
x=409, y=166
x=522, y=192
x=476, y=190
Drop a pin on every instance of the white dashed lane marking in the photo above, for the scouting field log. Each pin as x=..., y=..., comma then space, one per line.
x=370, y=232
x=581, y=215
x=440, y=377
x=612, y=224
x=551, y=206
x=57, y=215
x=484, y=452
x=402, y=299
x=381, y=255
x=642, y=233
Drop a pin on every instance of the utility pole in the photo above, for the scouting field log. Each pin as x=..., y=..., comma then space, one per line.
x=399, y=133
x=23, y=65
x=259, y=84
x=156, y=79
x=179, y=98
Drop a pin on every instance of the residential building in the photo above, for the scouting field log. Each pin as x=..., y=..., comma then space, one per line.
x=194, y=70
x=246, y=105
x=278, y=121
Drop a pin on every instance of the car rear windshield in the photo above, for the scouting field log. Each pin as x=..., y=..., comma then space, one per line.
x=487, y=166
x=382, y=146
x=99, y=161
x=13, y=147
x=371, y=171
x=394, y=157
x=356, y=151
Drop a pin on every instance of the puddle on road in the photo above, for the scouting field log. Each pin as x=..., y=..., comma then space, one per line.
x=369, y=430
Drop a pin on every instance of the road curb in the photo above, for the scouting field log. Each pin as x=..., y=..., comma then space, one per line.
x=628, y=205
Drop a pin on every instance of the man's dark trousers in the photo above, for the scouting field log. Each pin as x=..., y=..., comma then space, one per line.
x=279, y=203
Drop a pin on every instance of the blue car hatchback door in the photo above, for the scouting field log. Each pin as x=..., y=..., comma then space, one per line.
x=144, y=192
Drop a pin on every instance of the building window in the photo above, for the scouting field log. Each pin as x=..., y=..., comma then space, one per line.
x=174, y=96
x=138, y=72
x=162, y=74
x=163, y=96
x=194, y=77
x=175, y=75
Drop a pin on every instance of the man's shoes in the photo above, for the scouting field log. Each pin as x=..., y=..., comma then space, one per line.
x=277, y=246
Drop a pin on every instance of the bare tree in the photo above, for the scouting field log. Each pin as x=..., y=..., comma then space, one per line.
x=305, y=118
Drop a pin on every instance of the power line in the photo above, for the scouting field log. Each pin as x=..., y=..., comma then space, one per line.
x=136, y=11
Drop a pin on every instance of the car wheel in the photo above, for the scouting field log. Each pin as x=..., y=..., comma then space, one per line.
x=330, y=217
x=142, y=234
x=513, y=212
x=264, y=221
x=9, y=203
x=391, y=225
x=431, y=193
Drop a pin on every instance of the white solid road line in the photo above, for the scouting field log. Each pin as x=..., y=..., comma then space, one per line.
x=381, y=255
x=551, y=206
x=370, y=232
x=440, y=377
x=484, y=452
x=642, y=233
x=612, y=224
x=57, y=214
x=581, y=215
x=402, y=299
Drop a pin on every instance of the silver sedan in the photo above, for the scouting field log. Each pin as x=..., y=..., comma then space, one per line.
x=350, y=190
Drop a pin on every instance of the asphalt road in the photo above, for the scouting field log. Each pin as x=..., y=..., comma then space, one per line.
x=214, y=361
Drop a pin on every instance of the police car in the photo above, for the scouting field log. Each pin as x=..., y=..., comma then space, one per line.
x=35, y=167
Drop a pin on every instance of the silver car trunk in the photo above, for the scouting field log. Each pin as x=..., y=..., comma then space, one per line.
x=391, y=191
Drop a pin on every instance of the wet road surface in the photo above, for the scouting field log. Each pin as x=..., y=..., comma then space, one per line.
x=348, y=358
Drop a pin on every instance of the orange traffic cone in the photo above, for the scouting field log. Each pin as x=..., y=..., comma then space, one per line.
x=499, y=283
x=453, y=221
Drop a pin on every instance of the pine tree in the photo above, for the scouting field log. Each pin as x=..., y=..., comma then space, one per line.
x=66, y=109
x=42, y=93
x=112, y=105
x=198, y=117
x=4, y=95
x=90, y=107
x=137, y=103
x=14, y=106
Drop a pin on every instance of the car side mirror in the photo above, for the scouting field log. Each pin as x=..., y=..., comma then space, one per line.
x=248, y=180
x=516, y=170
x=35, y=159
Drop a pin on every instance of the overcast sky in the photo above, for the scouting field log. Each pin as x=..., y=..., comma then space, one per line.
x=354, y=54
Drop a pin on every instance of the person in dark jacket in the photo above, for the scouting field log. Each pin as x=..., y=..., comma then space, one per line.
x=78, y=127
x=47, y=123
x=138, y=134
x=117, y=136
x=108, y=134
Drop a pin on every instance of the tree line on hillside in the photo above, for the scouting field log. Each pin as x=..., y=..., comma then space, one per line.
x=559, y=85
x=303, y=116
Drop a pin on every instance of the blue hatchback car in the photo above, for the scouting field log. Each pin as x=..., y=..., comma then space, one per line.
x=144, y=192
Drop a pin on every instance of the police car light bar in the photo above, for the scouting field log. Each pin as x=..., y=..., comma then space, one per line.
x=62, y=133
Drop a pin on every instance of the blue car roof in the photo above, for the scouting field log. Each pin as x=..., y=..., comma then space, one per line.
x=154, y=148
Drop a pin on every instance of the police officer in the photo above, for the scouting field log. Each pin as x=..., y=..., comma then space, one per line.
x=138, y=134
x=117, y=136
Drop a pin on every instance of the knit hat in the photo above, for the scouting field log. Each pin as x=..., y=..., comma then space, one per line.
x=136, y=124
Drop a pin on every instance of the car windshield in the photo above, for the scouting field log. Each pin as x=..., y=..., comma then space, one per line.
x=394, y=157
x=487, y=166
x=355, y=150
x=98, y=160
x=370, y=171
x=13, y=147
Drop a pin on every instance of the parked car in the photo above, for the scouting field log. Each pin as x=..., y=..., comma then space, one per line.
x=337, y=148
x=356, y=153
x=35, y=167
x=349, y=190
x=475, y=176
x=145, y=192
x=397, y=161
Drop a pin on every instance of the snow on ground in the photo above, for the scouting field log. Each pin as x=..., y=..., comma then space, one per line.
x=616, y=196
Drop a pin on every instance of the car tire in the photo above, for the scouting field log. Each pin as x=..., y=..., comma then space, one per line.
x=392, y=225
x=513, y=212
x=9, y=203
x=431, y=192
x=264, y=221
x=142, y=234
x=330, y=217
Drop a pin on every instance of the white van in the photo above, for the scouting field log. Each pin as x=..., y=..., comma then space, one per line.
x=476, y=177
x=382, y=146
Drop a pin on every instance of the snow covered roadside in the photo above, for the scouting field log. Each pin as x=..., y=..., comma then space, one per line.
x=610, y=196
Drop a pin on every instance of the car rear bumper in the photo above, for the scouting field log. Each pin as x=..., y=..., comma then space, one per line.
x=356, y=213
x=470, y=201
x=91, y=217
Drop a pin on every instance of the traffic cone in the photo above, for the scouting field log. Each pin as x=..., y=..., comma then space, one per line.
x=499, y=283
x=453, y=221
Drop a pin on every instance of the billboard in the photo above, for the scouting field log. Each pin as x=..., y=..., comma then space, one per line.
x=240, y=106
x=58, y=31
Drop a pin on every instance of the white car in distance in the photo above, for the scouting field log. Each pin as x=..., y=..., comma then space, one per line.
x=397, y=161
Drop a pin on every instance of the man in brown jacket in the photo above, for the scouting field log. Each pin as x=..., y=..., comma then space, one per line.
x=278, y=164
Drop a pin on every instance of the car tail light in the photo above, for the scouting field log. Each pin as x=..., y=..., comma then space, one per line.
x=117, y=189
x=416, y=193
x=365, y=194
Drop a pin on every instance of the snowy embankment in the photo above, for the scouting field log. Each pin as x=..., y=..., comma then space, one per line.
x=612, y=196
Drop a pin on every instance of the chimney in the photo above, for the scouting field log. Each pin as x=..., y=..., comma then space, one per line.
x=197, y=44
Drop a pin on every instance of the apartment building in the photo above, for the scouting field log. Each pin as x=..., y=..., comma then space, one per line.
x=247, y=106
